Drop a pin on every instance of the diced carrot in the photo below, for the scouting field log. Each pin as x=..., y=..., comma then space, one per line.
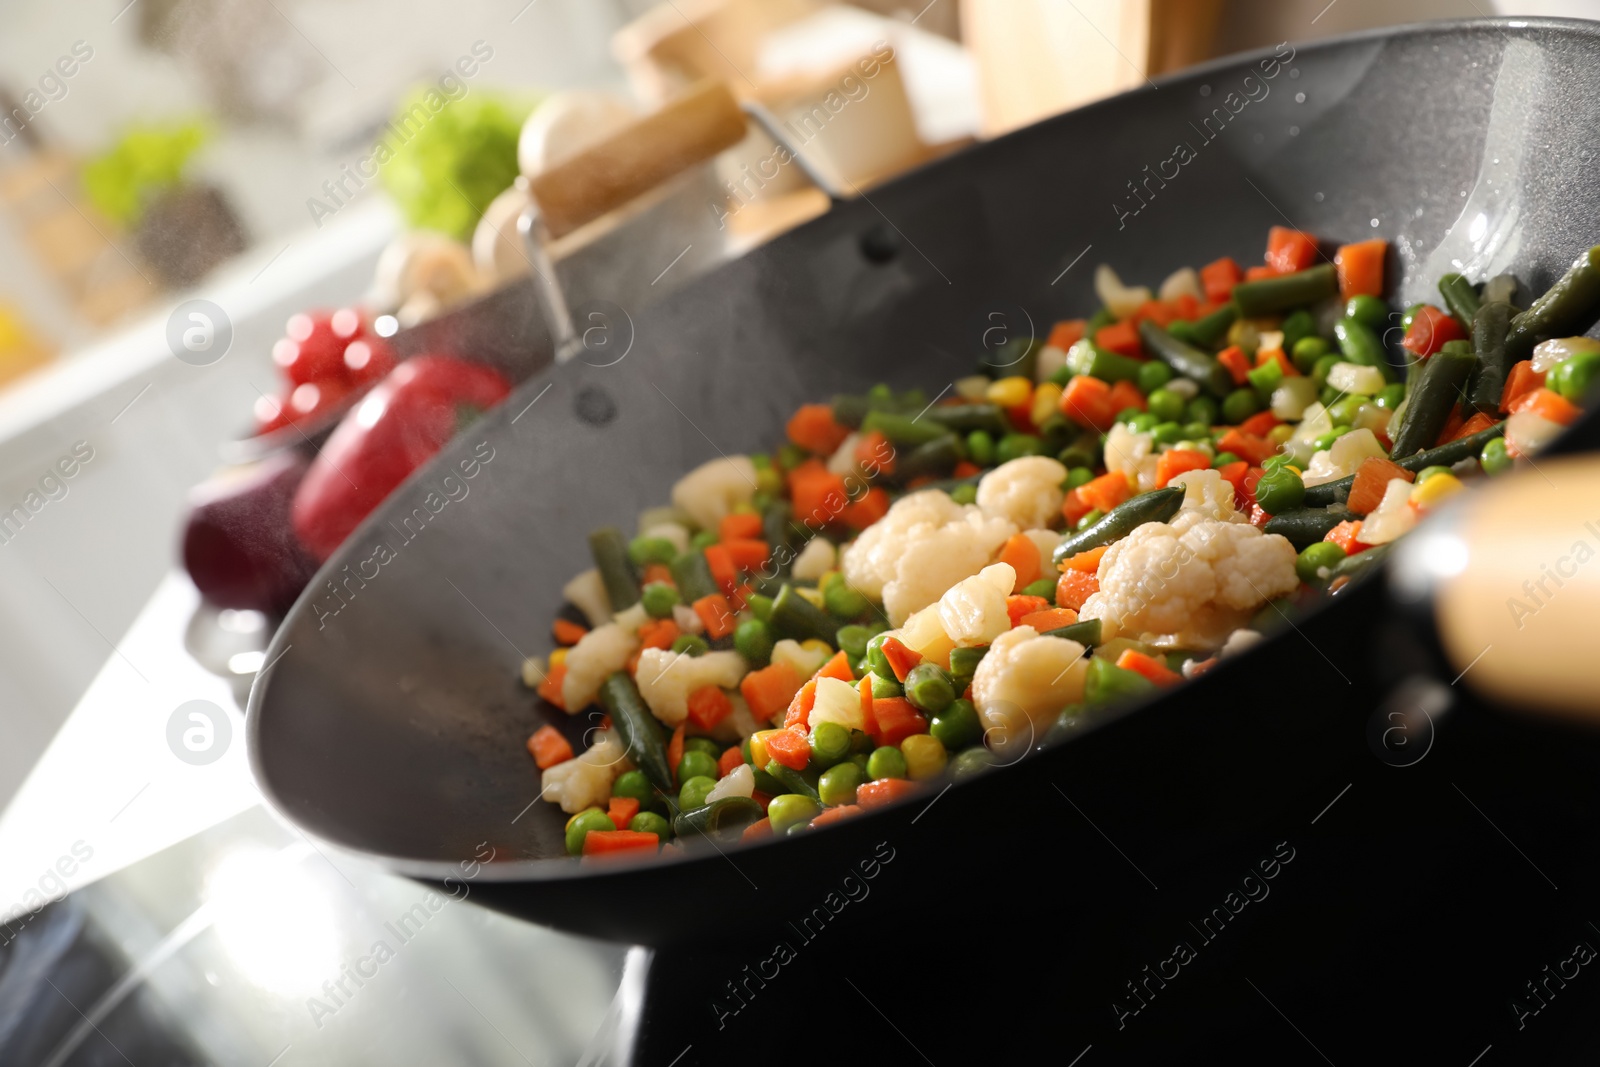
x=1290, y=250
x=875, y=450
x=1087, y=561
x=1233, y=473
x=550, y=688
x=1087, y=401
x=622, y=810
x=747, y=554
x=790, y=748
x=1360, y=267
x=1119, y=337
x=1248, y=447
x=761, y=798
x=1019, y=606
x=658, y=633
x=1022, y=555
x=884, y=791
x=1478, y=423
x=769, y=690
x=1233, y=357
x=869, y=719
x=1176, y=461
x=1065, y=334
x=1125, y=395
x=675, y=751
x=723, y=570
x=739, y=599
x=1075, y=587
x=1106, y=491
x=568, y=632
x=549, y=746
x=1152, y=668
x=658, y=572
x=800, y=705
x=1157, y=312
x=901, y=659
x=1276, y=355
x=814, y=429
x=606, y=842
x=1430, y=329
x=1372, y=481
x=1260, y=424
x=1256, y=274
x=838, y=667
x=838, y=814
x=1347, y=535
x=717, y=614
x=730, y=760
x=965, y=469
x=873, y=505
x=1522, y=380
x=1219, y=277
x=1452, y=424
x=1548, y=404
x=757, y=830
x=631, y=664
x=1049, y=619
x=605, y=721
x=739, y=526
x=1185, y=307
x=897, y=720
x=1074, y=507
x=708, y=706
x=817, y=494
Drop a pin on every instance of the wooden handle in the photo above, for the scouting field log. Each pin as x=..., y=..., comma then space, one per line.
x=1521, y=612
x=689, y=130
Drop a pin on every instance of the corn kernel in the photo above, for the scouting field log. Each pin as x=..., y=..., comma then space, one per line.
x=534, y=670
x=1435, y=489
x=816, y=644
x=925, y=757
x=1045, y=399
x=1010, y=392
x=812, y=595
x=557, y=658
x=758, y=748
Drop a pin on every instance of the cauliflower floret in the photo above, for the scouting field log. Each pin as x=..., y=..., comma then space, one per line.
x=843, y=460
x=1027, y=491
x=739, y=782
x=1121, y=300
x=585, y=781
x=1181, y=282
x=1051, y=360
x=630, y=619
x=688, y=620
x=1023, y=683
x=1241, y=641
x=1200, y=582
x=587, y=592
x=973, y=611
x=937, y=558
x=815, y=560
x=602, y=652
x=805, y=661
x=1125, y=449
x=837, y=702
x=874, y=558
x=710, y=491
x=1206, y=496
x=667, y=678
x=1343, y=458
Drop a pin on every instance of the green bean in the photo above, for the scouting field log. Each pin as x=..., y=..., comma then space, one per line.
x=1086, y=357
x=1489, y=329
x=1461, y=297
x=936, y=456
x=1447, y=454
x=1086, y=632
x=610, y=551
x=775, y=528
x=1159, y=505
x=795, y=616
x=1107, y=682
x=1084, y=452
x=849, y=410
x=902, y=430
x=1018, y=357
x=719, y=818
x=1272, y=295
x=965, y=418
x=1360, y=344
x=641, y=737
x=1433, y=397
x=792, y=780
x=1355, y=566
x=1367, y=310
x=1568, y=308
x=1186, y=360
x=1214, y=327
x=1308, y=525
x=692, y=575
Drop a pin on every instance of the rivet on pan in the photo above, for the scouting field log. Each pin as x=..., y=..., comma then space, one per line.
x=594, y=405
x=880, y=244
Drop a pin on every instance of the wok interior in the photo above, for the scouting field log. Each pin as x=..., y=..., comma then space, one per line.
x=396, y=725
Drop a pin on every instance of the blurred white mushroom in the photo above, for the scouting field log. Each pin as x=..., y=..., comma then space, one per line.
x=567, y=123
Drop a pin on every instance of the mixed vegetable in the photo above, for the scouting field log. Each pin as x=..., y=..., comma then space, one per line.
x=910, y=589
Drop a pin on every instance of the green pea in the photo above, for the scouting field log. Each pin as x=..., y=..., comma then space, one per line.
x=648, y=822
x=752, y=639
x=852, y=640
x=1167, y=433
x=838, y=783
x=1297, y=327
x=1275, y=461
x=1345, y=411
x=633, y=784
x=1240, y=405
x=980, y=448
x=768, y=482
x=791, y=809
x=1202, y=409
x=696, y=765
x=692, y=644
x=579, y=825
x=972, y=761
x=791, y=456
x=957, y=726
x=760, y=606
x=886, y=762
x=1315, y=559
x=1428, y=472
x=1573, y=376
x=1078, y=476
x=1368, y=310
x=1164, y=404
x=1045, y=587
x=692, y=794
x=885, y=686
x=645, y=550
x=1306, y=352
x=830, y=743
x=703, y=540
x=1495, y=457
x=1410, y=316
x=1016, y=445
x=881, y=393
x=964, y=494
x=1320, y=369
x=928, y=687
x=703, y=744
x=843, y=601
x=659, y=599
x=1090, y=519
x=1196, y=431
x=1325, y=442
x=1144, y=422
x=1279, y=491
x=1152, y=376
x=1222, y=459
x=1390, y=396
x=1128, y=414
x=964, y=663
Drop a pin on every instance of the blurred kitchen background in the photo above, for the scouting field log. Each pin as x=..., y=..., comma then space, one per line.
x=155, y=150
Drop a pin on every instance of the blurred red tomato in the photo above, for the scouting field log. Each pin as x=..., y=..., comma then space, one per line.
x=367, y=359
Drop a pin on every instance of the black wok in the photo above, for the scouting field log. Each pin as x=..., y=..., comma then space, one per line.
x=392, y=723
